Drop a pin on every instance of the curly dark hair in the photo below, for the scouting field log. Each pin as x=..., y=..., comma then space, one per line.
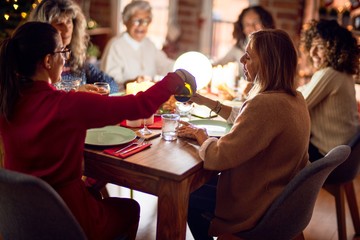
x=266, y=20
x=342, y=49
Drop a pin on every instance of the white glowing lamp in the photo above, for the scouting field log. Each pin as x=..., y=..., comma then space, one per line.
x=198, y=65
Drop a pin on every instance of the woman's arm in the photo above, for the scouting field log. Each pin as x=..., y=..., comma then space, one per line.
x=220, y=109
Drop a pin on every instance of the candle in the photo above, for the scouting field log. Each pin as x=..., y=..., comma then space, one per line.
x=135, y=87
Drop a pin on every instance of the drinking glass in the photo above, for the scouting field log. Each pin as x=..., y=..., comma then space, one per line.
x=103, y=88
x=184, y=109
x=68, y=84
x=145, y=130
x=170, y=123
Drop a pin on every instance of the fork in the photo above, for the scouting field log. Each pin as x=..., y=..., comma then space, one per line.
x=138, y=142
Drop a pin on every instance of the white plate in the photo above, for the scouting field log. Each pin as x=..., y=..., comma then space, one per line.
x=109, y=135
x=214, y=128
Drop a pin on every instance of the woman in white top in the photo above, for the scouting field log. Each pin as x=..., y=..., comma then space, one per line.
x=330, y=94
x=131, y=54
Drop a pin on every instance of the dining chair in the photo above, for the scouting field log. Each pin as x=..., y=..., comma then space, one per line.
x=1, y=154
x=31, y=209
x=291, y=211
x=340, y=183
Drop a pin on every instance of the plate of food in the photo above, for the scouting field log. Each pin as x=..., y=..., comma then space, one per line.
x=214, y=128
x=109, y=136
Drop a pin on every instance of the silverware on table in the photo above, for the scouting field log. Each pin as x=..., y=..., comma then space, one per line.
x=131, y=146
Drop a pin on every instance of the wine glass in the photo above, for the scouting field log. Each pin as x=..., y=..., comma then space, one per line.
x=145, y=130
x=184, y=109
x=103, y=88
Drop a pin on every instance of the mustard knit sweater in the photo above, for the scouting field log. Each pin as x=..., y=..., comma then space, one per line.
x=265, y=148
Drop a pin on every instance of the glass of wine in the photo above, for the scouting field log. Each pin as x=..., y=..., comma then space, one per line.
x=103, y=88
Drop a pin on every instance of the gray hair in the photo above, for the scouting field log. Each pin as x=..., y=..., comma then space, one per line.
x=133, y=7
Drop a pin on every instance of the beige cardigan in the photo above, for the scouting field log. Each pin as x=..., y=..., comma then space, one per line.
x=266, y=147
x=330, y=96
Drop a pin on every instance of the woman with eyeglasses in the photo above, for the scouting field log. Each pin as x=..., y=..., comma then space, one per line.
x=50, y=126
x=66, y=16
x=132, y=55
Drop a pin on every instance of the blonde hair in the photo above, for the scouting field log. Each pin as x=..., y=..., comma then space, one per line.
x=49, y=10
x=277, y=61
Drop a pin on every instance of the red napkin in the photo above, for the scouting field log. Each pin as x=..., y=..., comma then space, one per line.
x=111, y=151
x=156, y=125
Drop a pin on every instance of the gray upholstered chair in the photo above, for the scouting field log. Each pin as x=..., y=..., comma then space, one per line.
x=340, y=183
x=31, y=209
x=291, y=212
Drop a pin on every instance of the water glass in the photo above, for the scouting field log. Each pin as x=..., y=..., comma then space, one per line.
x=69, y=85
x=170, y=122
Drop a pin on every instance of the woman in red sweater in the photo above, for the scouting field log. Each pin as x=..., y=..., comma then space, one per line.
x=43, y=130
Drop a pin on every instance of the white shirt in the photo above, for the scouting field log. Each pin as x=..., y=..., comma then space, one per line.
x=125, y=58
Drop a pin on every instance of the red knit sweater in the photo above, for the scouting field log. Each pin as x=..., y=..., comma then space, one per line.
x=46, y=137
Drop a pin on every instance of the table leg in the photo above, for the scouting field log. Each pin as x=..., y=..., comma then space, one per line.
x=173, y=201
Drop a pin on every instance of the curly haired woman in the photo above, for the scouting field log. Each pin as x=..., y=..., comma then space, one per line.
x=330, y=94
x=66, y=16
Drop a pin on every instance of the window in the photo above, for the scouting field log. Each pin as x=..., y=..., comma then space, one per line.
x=225, y=13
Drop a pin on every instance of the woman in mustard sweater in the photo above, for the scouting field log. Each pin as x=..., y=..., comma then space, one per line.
x=266, y=147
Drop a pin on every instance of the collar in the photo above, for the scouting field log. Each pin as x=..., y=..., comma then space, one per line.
x=133, y=43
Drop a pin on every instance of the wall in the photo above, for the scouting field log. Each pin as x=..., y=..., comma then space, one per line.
x=190, y=21
x=287, y=14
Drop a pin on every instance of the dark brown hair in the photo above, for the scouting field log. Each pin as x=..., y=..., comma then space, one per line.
x=342, y=49
x=19, y=56
x=266, y=20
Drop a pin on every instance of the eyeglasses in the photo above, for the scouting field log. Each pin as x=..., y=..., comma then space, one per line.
x=143, y=22
x=65, y=53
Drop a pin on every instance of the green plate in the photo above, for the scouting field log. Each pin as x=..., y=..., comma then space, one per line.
x=117, y=94
x=214, y=128
x=109, y=136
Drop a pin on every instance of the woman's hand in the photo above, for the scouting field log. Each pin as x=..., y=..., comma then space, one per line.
x=89, y=88
x=199, y=99
x=188, y=130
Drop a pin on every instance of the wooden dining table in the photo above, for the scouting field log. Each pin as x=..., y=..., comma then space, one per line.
x=170, y=170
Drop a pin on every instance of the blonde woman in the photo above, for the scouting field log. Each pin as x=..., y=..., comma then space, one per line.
x=263, y=151
x=66, y=16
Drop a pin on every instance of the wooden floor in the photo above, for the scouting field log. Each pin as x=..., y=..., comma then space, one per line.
x=321, y=227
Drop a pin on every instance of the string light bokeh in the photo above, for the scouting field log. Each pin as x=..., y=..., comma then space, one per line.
x=13, y=13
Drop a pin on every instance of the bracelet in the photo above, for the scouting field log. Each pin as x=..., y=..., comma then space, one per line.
x=216, y=109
